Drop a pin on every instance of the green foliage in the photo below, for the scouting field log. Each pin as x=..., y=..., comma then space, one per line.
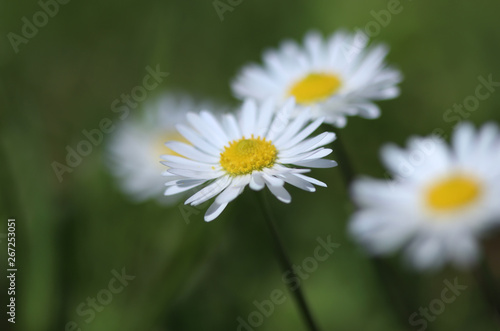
x=72, y=234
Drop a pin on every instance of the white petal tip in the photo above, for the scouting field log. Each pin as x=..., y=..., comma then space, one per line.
x=285, y=200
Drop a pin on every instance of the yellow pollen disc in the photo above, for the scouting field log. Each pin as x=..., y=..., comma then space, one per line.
x=246, y=155
x=161, y=149
x=453, y=193
x=315, y=87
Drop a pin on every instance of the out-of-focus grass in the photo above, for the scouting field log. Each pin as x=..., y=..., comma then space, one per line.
x=200, y=276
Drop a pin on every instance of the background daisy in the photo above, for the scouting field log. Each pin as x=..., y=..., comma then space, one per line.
x=336, y=77
x=260, y=147
x=442, y=199
x=63, y=80
x=135, y=147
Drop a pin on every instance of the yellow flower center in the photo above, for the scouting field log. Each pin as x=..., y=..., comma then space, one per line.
x=453, y=193
x=315, y=87
x=246, y=155
x=161, y=149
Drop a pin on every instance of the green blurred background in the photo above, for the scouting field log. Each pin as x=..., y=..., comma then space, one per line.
x=197, y=276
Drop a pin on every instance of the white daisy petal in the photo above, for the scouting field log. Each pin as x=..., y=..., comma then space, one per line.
x=200, y=167
x=247, y=156
x=248, y=117
x=383, y=94
x=303, y=134
x=214, y=124
x=309, y=144
x=214, y=211
x=488, y=138
x=177, y=162
x=294, y=127
x=463, y=142
x=208, y=192
x=427, y=253
x=375, y=193
x=378, y=232
x=321, y=163
x=280, y=192
x=296, y=181
x=191, y=152
x=443, y=200
x=175, y=189
x=337, y=77
x=195, y=174
x=265, y=116
x=290, y=49
x=464, y=250
x=208, y=132
x=369, y=65
x=274, y=63
x=319, y=153
x=281, y=120
x=134, y=148
x=185, y=182
x=197, y=140
x=229, y=194
x=170, y=177
x=311, y=180
x=337, y=44
x=316, y=154
x=338, y=120
x=260, y=83
x=271, y=180
x=368, y=110
x=314, y=45
x=257, y=183
x=233, y=130
x=395, y=159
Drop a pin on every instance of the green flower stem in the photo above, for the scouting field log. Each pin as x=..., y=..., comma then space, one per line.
x=392, y=287
x=284, y=260
x=345, y=164
x=488, y=287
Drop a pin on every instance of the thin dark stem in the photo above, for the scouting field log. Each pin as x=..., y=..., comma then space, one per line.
x=344, y=160
x=395, y=294
x=385, y=273
x=488, y=287
x=286, y=265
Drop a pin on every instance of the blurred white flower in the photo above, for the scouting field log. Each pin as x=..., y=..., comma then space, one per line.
x=446, y=198
x=134, y=149
x=260, y=147
x=337, y=77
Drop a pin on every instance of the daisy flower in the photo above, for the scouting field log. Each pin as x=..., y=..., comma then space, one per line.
x=260, y=147
x=134, y=148
x=442, y=200
x=336, y=77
